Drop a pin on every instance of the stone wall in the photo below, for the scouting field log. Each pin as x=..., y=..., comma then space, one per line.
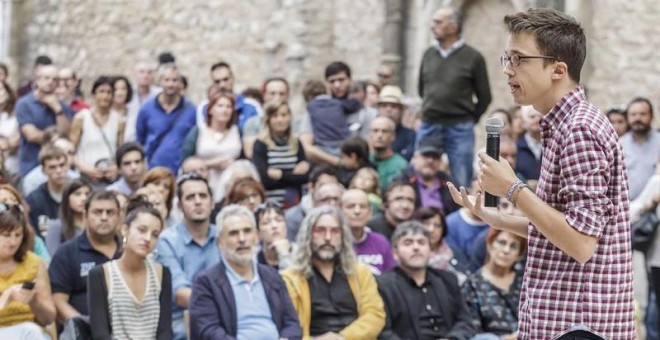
x=259, y=38
x=297, y=38
x=624, y=55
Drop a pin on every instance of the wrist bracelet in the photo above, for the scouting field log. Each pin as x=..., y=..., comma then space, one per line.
x=520, y=188
x=513, y=188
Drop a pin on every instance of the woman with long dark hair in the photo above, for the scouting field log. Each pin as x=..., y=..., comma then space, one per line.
x=131, y=297
x=70, y=223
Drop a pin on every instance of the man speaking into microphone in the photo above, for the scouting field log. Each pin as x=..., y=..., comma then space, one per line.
x=578, y=277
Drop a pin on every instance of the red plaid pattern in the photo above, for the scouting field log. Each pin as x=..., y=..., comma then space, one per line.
x=583, y=175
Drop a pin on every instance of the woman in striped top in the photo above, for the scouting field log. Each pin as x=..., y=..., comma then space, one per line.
x=280, y=157
x=130, y=298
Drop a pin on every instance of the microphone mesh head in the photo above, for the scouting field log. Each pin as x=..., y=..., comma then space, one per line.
x=494, y=125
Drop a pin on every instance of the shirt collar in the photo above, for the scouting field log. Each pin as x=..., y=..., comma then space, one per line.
x=560, y=111
x=410, y=280
x=435, y=185
x=236, y=279
x=187, y=237
x=453, y=48
x=85, y=245
x=177, y=108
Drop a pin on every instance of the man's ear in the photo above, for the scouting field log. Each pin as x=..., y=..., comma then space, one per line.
x=560, y=70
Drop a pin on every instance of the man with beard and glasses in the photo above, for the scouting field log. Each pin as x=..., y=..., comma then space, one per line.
x=421, y=302
x=641, y=145
x=335, y=296
x=189, y=246
x=73, y=260
x=266, y=311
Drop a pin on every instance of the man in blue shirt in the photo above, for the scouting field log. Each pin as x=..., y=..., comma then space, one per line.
x=164, y=121
x=35, y=113
x=223, y=79
x=188, y=247
x=265, y=310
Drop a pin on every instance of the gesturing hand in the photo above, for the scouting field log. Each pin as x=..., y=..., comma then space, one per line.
x=474, y=203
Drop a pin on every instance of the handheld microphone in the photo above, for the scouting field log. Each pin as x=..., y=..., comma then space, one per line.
x=493, y=128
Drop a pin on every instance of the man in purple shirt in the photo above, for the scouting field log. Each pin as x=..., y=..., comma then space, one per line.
x=371, y=248
x=429, y=182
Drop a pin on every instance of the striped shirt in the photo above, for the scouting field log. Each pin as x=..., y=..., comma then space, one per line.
x=286, y=190
x=130, y=318
x=583, y=175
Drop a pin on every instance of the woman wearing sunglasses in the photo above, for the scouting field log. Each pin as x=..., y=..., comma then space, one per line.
x=25, y=296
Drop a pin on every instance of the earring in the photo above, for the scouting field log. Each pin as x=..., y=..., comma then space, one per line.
x=123, y=240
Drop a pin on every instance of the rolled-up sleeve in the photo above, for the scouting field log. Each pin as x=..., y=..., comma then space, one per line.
x=585, y=176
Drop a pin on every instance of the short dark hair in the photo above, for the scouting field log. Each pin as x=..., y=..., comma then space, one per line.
x=103, y=80
x=272, y=79
x=129, y=88
x=358, y=146
x=4, y=67
x=639, y=100
x=221, y=64
x=409, y=228
x=314, y=88
x=320, y=170
x=43, y=60
x=265, y=207
x=184, y=81
x=49, y=152
x=393, y=185
x=126, y=148
x=615, y=111
x=190, y=176
x=102, y=195
x=557, y=34
x=424, y=213
x=166, y=58
x=254, y=93
x=336, y=68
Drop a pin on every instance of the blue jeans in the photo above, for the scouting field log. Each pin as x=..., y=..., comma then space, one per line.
x=458, y=141
x=651, y=317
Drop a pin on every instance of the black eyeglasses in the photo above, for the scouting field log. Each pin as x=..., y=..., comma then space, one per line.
x=13, y=208
x=514, y=60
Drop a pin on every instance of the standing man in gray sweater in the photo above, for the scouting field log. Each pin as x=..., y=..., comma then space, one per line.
x=451, y=75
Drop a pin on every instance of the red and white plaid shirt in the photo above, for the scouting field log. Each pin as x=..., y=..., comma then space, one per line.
x=583, y=175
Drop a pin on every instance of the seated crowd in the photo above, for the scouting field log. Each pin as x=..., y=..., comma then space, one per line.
x=138, y=214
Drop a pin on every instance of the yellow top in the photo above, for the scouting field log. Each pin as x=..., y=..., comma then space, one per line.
x=16, y=312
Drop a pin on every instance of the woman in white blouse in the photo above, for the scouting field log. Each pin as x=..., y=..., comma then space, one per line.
x=218, y=141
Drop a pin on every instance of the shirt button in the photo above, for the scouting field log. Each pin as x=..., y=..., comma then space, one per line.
x=424, y=290
x=435, y=329
x=428, y=307
x=432, y=321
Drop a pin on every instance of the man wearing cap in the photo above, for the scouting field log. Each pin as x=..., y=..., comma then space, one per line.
x=425, y=176
x=390, y=104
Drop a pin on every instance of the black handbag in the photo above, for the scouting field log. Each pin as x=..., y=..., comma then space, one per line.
x=644, y=229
